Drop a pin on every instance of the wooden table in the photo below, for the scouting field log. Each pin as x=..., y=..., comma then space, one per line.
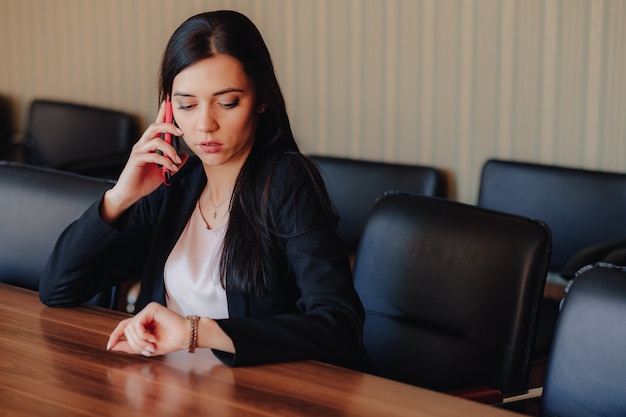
x=53, y=362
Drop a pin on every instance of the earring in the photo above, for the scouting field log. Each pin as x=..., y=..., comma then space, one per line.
x=262, y=108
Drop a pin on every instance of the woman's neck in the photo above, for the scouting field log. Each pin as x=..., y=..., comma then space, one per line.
x=214, y=202
x=220, y=181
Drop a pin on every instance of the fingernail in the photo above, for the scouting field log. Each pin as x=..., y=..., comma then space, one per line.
x=178, y=160
x=180, y=132
x=149, y=349
x=108, y=345
x=146, y=353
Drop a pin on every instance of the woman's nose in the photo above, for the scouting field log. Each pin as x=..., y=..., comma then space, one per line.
x=207, y=121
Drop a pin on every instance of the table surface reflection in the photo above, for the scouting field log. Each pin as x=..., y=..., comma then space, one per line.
x=53, y=362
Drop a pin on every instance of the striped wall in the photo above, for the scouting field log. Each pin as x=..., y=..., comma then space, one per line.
x=448, y=83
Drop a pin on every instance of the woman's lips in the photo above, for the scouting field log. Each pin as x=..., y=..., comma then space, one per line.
x=210, y=147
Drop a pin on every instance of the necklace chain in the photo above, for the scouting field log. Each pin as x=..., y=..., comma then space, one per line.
x=213, y=204
x=202, y=214
x=216, y=207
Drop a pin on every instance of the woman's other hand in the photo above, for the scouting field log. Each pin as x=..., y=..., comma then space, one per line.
x=155, y=330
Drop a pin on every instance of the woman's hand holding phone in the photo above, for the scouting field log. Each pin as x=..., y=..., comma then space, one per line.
x=150, y=157
x=167, y=137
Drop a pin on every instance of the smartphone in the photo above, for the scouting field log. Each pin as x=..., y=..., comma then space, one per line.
x=169, y=138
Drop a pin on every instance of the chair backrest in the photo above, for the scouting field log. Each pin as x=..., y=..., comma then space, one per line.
x=451, y=292
x=37, y=204
x=586, y=373
x=354, y=185
x=582, y=207
x=78, y=138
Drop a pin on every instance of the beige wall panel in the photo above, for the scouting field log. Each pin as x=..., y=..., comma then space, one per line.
x=448, y=83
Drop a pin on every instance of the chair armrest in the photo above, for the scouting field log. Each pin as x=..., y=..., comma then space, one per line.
x=616, y=257
x=532, y=394
x=593, y=254
x=492, y=396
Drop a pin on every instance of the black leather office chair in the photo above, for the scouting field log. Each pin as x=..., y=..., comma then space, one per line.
x=584, y=209
x=451, y=292
x=353, y=186
x=586, y=374
x=36, y=205
x=82, y=139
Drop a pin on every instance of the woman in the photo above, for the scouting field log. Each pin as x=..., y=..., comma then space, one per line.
x=240, y=253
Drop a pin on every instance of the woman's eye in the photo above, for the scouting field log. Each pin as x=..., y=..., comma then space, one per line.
x=230, y=105
x=183, y=107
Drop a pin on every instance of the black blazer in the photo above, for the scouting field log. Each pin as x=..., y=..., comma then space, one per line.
x=315, y=312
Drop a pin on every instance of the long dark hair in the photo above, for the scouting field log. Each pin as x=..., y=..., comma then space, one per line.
x=251, y=244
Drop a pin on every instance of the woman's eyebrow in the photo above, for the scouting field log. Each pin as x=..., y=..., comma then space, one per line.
x=228, y=90
x=217, y=93
x=181, y=94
